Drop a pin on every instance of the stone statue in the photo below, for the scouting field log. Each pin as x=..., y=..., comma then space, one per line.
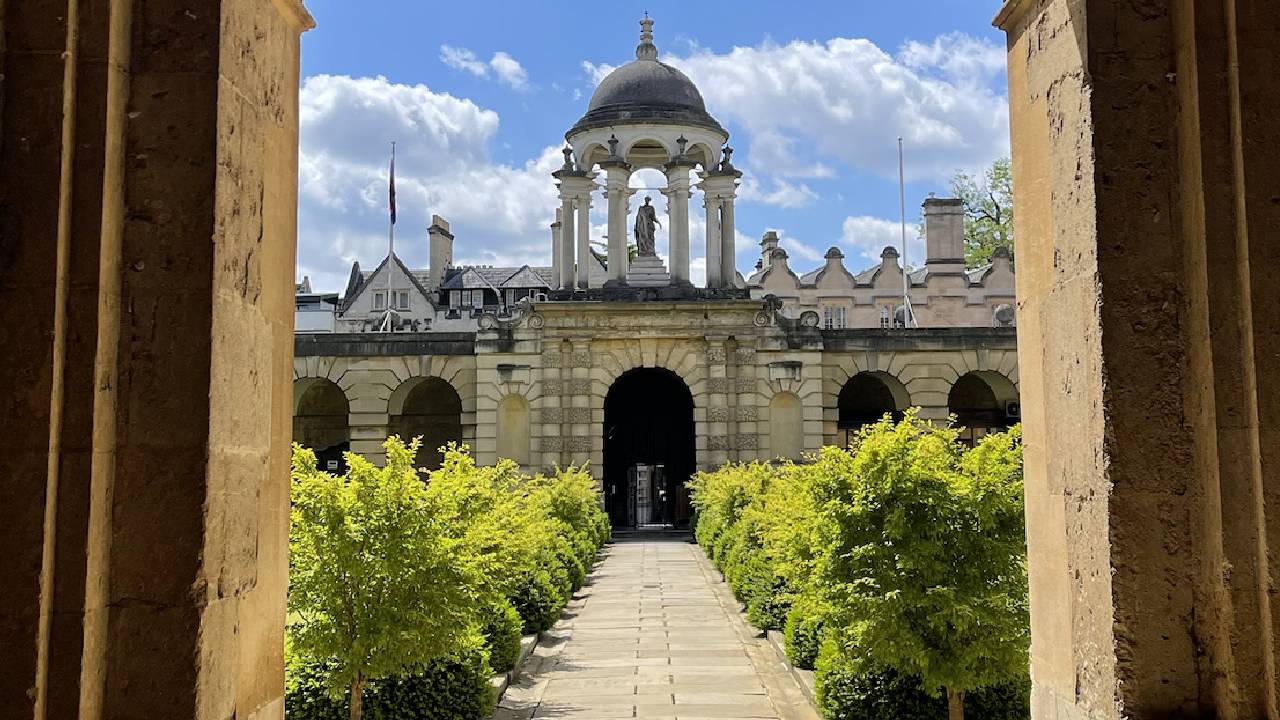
x=646, y=219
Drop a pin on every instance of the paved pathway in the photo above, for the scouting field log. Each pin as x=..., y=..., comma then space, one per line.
x=654, y=634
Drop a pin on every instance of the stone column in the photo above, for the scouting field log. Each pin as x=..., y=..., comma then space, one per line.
x=584, y=240
x=728, y=246
x=556, y=259
x=677, y=193
x=619, y=194
x=567, y=237
x=720, y=186
x=712, y=205
x=1145, y=168
x=575, y=193
x=145, y=482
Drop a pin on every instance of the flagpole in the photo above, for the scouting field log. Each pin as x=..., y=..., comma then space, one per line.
x=387, y=325
x=908, y=314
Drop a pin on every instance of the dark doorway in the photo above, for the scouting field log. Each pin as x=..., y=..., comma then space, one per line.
x=976, y=401
x=432, y=410
x=865, y=399
x=320, y=422
x=648, y=449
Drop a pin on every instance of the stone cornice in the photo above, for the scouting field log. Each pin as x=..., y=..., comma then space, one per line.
x=1010, y=13
x=296, y=11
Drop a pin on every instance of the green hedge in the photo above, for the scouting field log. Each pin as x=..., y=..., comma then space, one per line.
x=780, y=535
x=502, y=637
x=455, y=688
x=523, y=543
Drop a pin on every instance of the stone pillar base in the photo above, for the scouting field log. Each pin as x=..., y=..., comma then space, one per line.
x=648, y=272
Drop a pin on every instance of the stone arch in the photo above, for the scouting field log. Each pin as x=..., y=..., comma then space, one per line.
x=705, y=155
x=982, y=401
x=591, y=155
x=648, y=423
x=786, y=425
x=650, y=145
x=513, y=423
x=428, y=407
x=321, y=413
x=865, y=398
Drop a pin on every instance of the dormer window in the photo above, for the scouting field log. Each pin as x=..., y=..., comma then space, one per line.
x=380, y=300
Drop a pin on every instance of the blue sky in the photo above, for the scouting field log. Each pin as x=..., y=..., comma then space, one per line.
x=478, y=96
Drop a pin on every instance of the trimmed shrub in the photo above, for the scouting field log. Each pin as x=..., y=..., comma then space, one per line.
x=455, y=688
x=895, y=567
x=845, y=693
x=1009, y=701
x=538, y=601
x=447, y=689
x=804, y=632
x=516, y=547
x=502, y=637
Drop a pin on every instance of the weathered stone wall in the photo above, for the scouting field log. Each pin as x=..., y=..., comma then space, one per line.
x=1146, y=176
x=148, y=171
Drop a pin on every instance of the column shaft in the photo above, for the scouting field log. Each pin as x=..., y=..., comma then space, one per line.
x=712, y=204
x=619, y=195
x=728, y=257
x=145, y=485
x=555, y=249
x=567, y=238
x=1150, y=501
x=584, y=240
x=677, y=193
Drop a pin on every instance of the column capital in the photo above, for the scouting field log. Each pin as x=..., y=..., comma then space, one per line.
x=720, y=185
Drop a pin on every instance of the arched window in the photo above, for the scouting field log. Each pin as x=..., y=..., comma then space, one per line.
x=513, y=429
x=786, y=426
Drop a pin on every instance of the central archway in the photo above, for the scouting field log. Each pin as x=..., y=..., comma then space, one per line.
x=648, y=449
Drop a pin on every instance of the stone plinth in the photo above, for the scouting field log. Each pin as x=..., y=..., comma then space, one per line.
x=648, y=271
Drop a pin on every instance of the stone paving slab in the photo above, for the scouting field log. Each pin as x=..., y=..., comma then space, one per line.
x=654, y=634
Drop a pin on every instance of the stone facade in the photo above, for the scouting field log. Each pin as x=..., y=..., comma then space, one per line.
x=943, y=292
x=735, y=356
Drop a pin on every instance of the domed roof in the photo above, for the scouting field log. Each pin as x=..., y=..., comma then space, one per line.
x=646, y=90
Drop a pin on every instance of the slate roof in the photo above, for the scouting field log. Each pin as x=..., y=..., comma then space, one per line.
x=480, y=276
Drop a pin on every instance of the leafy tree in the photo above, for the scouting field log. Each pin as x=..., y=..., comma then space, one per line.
x=924, y=570
x=988, y=206
x=375, y=583
x=632, y=250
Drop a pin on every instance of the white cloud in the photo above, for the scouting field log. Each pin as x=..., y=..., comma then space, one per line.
x=867, y=236
x=781, y=193
x=807, y=105
x=962, y=57
x=462, y=59
x=509, y=70
x=597, y=72
x=500, y=213
x=504, y=67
